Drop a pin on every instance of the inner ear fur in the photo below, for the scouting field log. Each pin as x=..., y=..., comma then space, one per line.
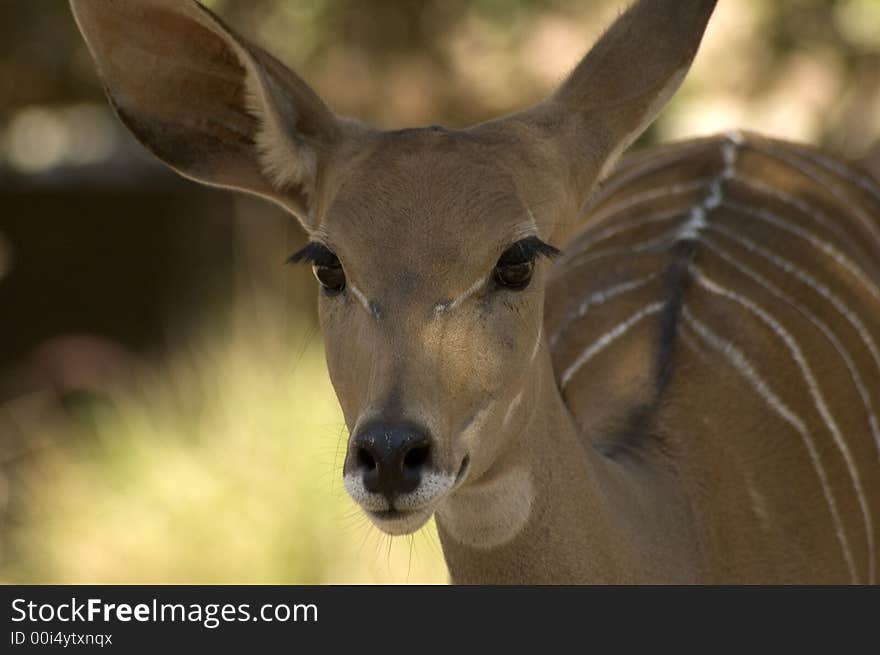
x=615, y=92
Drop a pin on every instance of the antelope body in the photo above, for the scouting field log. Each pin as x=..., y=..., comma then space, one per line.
x=718, y=318
x=686, y=394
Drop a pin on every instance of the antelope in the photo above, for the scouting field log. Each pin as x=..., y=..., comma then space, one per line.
x=663, y=370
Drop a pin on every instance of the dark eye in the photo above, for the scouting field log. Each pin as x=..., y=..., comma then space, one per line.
x=325, y=266
x=331, y=278
x=517, y=264
x=514, y=276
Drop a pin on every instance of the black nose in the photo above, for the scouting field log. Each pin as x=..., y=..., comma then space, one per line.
x=391, y=460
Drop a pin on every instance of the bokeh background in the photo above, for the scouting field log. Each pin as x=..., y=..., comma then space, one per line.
x=165, y=413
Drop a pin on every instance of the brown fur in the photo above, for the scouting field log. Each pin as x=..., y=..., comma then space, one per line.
x=657, y=461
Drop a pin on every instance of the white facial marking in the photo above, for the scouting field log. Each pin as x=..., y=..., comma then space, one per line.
x=490, y=514
x=537, y=345
x=475, y=425
x=528, y=228
x=402, y=523
x=354, y=485
x=417, y=505
x=449, y=305
x=430, y=490
x=517, y=399
x=361, y=298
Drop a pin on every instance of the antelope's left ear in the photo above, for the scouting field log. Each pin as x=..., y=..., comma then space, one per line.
x=618, y=88
x=208, y=103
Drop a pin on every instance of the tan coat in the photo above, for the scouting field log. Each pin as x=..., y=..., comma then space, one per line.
x=686, y=395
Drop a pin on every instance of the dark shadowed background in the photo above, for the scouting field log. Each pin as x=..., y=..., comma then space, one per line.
x=165, y=415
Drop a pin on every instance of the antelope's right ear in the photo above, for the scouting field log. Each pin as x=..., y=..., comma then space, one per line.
x=614, y=93
x=208, y=103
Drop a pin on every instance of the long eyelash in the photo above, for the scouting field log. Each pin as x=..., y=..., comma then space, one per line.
x=314, y=253
x=527, y=250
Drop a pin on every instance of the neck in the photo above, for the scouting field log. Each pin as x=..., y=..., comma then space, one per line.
x=553, y=509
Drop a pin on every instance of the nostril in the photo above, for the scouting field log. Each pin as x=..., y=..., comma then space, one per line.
x=416, y=457
x=365, y=459
x=389, y=460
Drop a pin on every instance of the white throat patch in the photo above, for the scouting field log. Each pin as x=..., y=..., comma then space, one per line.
x=491, y=514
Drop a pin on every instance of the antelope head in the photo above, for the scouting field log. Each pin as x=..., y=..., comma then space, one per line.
x=431, y=246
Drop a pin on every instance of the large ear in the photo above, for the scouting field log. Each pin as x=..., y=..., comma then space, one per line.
x=208, y=103
x=619, y=87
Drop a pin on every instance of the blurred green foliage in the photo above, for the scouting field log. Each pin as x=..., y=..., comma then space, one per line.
x=223, y=466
